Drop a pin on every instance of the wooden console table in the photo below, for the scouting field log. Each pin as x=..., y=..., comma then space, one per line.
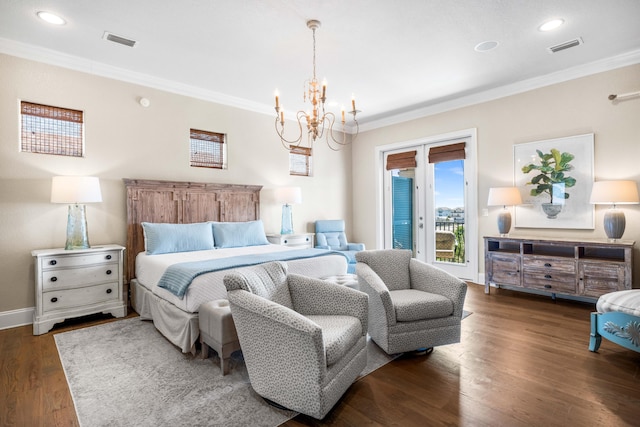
x=587, y=268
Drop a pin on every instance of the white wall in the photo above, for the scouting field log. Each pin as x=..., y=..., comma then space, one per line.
x=571, y=108
x=125, y=140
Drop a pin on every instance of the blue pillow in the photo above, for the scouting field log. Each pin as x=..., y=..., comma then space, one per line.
x=160, y=238
x=236, y=234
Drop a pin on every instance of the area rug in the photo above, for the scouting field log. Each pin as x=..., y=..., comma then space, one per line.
x=125, y=373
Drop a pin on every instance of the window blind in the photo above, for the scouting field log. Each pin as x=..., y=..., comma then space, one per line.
x=51, y=130
x=207, y=149
x=402, y=160
x=445, y=153
x=300, y=161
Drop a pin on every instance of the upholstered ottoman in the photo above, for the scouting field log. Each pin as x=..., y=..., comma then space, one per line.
x=218, y=331
x=349, y=280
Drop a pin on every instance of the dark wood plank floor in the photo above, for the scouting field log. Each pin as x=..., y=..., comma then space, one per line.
x=523, y=361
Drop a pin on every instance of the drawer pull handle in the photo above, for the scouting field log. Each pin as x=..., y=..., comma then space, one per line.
x=285, y=242
x=54, y=279
x=547, y=276
x=109, y=291
x=54, y=299
x=108, y=256
x=547, y=264
x=108, y=271
x=53, y=262
x=548, y=286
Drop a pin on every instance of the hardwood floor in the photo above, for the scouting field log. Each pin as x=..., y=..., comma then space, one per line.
x=523, y=361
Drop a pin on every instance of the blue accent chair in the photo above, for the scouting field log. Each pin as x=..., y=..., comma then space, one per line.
x=330, y=235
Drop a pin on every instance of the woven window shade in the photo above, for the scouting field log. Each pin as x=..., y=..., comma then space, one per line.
x=300, y=161
x=51, y=130
x=206, y=149
x=446, y=153
x=402, y=160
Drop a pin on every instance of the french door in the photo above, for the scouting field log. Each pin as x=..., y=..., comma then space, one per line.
x=429, y=201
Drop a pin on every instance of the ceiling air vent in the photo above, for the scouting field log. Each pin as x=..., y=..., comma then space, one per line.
x=118, y=39
x=565, y=45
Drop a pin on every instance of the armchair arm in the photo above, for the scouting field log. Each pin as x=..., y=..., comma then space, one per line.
x=428, y=278
x=314, y=296
x=379, y=297
x=268, y=331
x=355, y=246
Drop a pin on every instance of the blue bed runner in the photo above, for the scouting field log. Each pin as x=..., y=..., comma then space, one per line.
x=177, y=278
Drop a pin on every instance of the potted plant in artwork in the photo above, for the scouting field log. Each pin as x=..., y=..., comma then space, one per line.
x=551, y=179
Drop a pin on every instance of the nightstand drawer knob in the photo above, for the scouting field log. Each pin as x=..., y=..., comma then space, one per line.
x=547, y=276
x=54, y=299
x=547, y=264
x=54, y=279
x=108, y=256
x=53, y=262
x=285, y=242
x=109, y=291
x=108, y=271
x=548, y=286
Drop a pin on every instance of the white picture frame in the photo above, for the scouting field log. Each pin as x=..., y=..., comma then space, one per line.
x=574, y=212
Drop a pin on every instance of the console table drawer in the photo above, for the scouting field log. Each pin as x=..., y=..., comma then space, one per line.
x=555, y=265
x=550, y=282
x=505, y=270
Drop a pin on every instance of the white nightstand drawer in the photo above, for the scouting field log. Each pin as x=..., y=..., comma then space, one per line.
x=76, y=277
x=66, y=260
x=304, y=240
x=57, y=300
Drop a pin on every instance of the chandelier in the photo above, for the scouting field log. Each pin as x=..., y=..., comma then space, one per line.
x=318, y=122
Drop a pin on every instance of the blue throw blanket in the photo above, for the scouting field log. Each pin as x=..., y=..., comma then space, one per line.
x=177, y=278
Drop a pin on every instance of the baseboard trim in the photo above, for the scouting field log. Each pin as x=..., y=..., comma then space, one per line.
x=15, y=318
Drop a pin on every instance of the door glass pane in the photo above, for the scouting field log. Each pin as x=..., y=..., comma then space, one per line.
x=450, y=211
x=402, y=208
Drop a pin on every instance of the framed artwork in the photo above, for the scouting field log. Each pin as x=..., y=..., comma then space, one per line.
x=555, y=177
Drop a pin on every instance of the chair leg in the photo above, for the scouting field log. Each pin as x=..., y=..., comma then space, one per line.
x=423, y=351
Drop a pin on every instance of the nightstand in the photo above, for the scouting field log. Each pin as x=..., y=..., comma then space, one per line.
x=301, y=240
x=73, y=283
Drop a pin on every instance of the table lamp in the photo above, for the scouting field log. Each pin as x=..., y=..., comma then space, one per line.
x=288, y=196
x=614, y=193
x=76, y=190
x=504, y=196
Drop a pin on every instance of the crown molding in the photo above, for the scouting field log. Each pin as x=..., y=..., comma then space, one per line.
x=53, y=57
x=606, y=64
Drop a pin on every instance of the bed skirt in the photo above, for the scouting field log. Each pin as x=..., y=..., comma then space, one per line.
x=178, y=326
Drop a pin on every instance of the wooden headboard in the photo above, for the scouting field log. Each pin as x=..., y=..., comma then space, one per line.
x=182, y=203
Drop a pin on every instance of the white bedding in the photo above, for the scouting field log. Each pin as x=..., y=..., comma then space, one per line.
x=208, y=287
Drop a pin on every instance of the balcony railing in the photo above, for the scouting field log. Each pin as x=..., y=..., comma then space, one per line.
x=457, y=228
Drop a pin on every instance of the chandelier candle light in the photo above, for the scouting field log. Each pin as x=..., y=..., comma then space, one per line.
x=316, y=121
x=76, y=190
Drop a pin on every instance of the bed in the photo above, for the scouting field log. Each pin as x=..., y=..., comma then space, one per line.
x=617, y=319
x=187, y=206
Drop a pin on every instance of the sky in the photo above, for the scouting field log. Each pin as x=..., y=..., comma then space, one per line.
x=449, y=184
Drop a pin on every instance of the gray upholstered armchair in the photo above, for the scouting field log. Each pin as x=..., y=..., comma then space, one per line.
x=303, y=339
x=330, y=234
x=412, y=305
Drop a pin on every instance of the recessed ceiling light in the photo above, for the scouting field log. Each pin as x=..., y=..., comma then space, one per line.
x=51, y=18
x=551, y=25
x=486, y=46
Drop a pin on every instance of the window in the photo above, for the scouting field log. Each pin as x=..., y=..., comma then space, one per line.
x=51, y=130
x=207, y=149
x=300, y=161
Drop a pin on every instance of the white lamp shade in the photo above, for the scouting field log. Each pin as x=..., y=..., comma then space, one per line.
x=288, y=195
x=504, y=196
x=75, y=189
x=614, y=192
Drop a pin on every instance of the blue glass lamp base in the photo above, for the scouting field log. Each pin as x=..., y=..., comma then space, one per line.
x=287, y=220
x=77, y=236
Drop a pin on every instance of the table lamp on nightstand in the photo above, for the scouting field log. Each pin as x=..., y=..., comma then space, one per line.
x=288, y=196
x=76, y=190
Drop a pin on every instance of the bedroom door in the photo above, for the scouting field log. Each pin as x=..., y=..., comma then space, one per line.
x=429, y=202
